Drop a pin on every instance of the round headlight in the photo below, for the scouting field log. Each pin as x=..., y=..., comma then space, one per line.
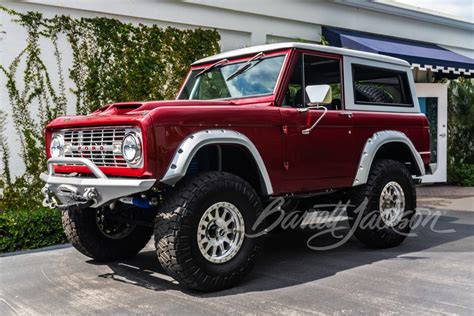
x=56, y=147
x=131, y=148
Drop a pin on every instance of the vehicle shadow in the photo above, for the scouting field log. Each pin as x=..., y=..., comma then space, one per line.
x=286, y=260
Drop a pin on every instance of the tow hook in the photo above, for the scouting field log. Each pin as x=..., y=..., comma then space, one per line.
x=90, y=194
x=49, y=200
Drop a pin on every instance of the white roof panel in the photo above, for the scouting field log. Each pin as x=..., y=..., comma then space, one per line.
x=307, y=46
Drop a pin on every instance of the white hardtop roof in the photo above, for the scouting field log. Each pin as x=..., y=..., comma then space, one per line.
x=307, y=46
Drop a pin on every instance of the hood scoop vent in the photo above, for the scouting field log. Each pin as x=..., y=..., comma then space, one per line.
x=117, y=108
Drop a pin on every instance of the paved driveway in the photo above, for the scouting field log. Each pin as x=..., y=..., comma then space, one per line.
x=432, y=273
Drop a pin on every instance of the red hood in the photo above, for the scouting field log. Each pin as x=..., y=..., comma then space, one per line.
x=126, y=112
x=137, y=107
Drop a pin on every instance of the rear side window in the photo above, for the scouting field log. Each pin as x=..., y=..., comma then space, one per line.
x=380, y=86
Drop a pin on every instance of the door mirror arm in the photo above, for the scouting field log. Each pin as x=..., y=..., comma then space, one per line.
x=318, y=95
x=311, y=106
x=316, y=107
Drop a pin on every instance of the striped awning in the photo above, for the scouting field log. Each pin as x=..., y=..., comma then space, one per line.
x=447, y=70
x=424, y=56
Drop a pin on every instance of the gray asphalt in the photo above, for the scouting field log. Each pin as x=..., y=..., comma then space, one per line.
x=432, y=273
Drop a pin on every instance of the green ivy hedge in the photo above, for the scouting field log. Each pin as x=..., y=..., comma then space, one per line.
x=462, y=174
x=29, y=229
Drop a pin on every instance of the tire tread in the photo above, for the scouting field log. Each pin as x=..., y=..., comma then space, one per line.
x=174, y=251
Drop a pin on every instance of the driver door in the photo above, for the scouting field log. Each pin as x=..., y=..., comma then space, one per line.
x=324, y=158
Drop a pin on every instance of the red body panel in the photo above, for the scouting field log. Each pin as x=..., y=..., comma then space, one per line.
x=322, y=159
x=327, y=158
x=259, y=122
x=414, y=125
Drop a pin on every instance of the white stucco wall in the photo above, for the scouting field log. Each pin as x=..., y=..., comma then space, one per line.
x=240, y=23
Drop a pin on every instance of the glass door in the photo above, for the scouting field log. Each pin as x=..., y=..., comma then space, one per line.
x=433, y=100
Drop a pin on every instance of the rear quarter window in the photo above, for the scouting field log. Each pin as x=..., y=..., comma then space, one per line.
x=379, y=86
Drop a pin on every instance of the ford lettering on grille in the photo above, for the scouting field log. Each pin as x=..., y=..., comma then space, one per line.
x=101, y=145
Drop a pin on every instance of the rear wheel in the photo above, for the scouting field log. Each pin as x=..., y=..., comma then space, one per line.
x=383, y=207
x=96, y=234
x=200, y=231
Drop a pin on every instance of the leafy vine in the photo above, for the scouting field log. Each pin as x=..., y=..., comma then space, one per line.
x=111, y=61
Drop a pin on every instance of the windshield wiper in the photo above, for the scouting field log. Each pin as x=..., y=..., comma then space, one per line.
x=210, y=67
x=245, y=66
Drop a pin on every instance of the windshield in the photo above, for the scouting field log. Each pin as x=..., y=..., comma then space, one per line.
x=224, y=82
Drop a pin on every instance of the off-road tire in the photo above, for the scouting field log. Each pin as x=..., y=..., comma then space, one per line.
x=381, y=236
x=83, y=233
x=176, y=230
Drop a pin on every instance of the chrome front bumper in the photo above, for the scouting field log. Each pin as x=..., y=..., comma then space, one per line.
x=98, y=191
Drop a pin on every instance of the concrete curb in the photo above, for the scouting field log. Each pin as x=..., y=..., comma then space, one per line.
x=449, y=191
x=28, y=251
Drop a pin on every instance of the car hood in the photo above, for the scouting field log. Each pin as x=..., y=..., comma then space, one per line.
x=127, y=112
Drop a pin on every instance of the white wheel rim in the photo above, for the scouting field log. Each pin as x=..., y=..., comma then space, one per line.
x=392, y=203
x=220, y=232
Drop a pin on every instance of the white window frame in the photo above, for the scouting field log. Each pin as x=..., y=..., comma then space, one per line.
x=350, y=103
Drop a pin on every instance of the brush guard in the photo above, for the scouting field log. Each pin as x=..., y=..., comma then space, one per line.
x=82, y=192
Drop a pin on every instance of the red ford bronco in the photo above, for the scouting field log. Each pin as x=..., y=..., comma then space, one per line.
x=248, y=126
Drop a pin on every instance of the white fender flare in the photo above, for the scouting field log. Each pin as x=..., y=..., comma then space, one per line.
x=374, y=143
x=191, y=145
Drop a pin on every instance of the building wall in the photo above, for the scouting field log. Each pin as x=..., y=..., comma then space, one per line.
x=288, y=19
x=240, y=23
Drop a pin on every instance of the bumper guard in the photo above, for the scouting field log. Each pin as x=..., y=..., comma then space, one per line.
x=93, y=192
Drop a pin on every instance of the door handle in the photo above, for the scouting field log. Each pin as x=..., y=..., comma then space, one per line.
x=442, y=134
x=346, y=114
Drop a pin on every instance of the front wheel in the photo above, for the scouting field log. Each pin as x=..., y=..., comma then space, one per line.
x=96, y=234
x=200, y=231
x=382, y=208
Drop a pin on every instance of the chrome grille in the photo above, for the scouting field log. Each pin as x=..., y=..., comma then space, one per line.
x=103, y=146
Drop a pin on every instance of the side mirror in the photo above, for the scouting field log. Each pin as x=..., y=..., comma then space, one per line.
x=319, y=94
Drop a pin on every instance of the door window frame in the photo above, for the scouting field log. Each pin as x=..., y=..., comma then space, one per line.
x=291, y=66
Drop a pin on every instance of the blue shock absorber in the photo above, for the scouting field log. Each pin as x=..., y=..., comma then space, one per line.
x=142, y=203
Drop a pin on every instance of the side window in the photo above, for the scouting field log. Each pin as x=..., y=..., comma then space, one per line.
x=380, y=86
x=314, y=70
